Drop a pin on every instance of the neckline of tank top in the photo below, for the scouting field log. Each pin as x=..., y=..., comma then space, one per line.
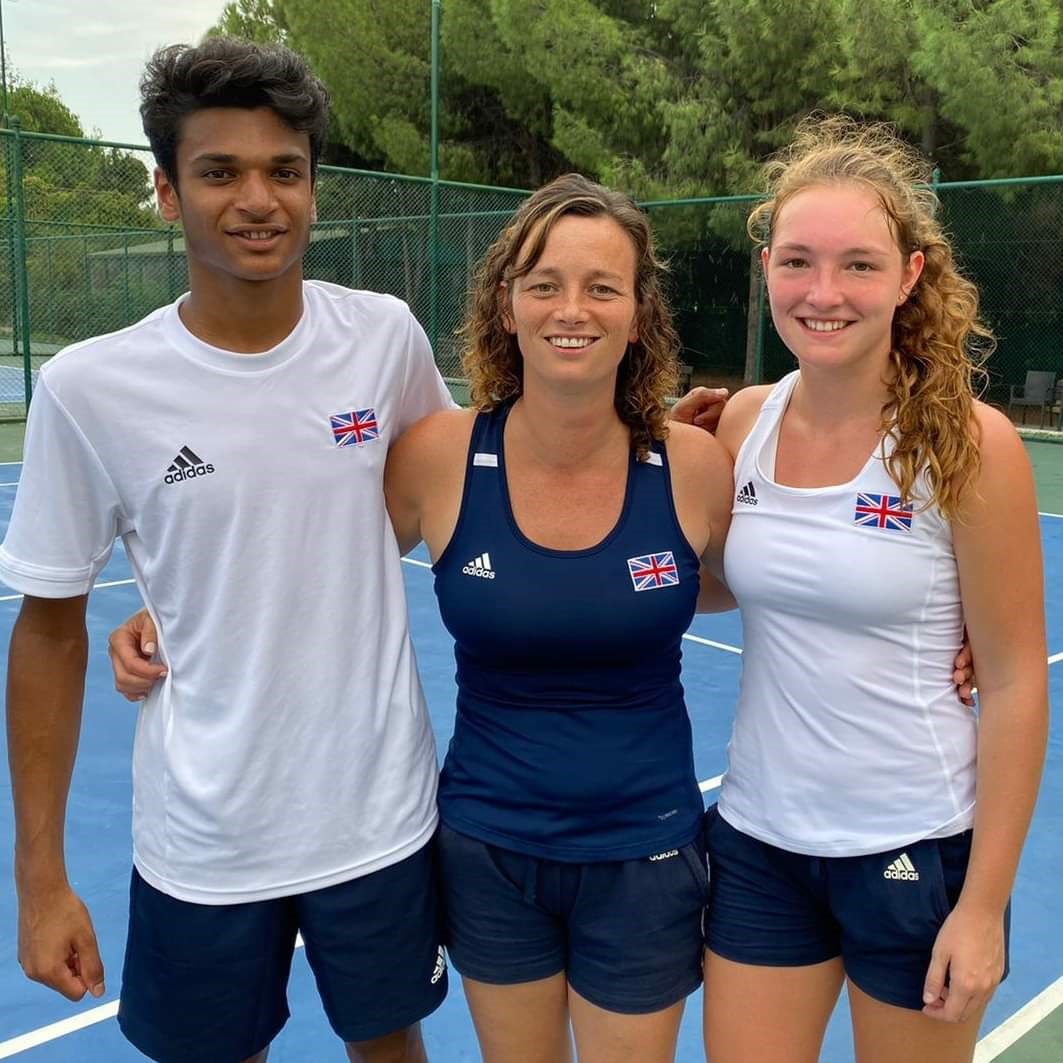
x=549, y=551
x=771, y=440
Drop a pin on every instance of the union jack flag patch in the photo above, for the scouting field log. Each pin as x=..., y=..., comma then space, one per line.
x=354, y=428
x=652, y=571
x=882, y=511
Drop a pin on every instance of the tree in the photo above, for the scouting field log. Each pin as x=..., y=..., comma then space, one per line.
x=77, y=199
x=253, y=20
x=678, y=97
x=84, y=184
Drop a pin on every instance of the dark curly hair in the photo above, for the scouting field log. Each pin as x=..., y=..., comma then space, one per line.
x=226, y=72
x=492, y=360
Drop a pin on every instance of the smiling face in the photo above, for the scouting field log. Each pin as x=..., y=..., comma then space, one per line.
x=244, y=194
x=836, y=276
x=574, y=312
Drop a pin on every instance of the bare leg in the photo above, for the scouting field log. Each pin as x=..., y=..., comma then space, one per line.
x=260, y=1058
x=526, y=1023
x=885, y=1034
x=609, y=1037
x=768, y=1014
x=402, y=1046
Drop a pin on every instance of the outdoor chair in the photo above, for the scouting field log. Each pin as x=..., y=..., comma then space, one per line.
x=1038, y=391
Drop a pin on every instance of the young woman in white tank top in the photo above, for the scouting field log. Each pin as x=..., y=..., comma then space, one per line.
x=878, y=507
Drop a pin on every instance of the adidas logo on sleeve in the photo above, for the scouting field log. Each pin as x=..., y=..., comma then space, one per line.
x=480, y=566
x=187, y=466
x=903, y=869
x=747, y=495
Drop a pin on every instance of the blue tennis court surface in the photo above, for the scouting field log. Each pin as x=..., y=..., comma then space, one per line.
x=98, y=844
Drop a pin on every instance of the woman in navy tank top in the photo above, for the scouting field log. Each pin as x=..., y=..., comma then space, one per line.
x=567, y=526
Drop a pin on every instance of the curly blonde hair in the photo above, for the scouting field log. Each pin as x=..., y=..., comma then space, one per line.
x=938, y=343
x=492, y=360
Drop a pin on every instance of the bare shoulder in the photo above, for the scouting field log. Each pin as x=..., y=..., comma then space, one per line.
x=694, y=451
x=738, y=416
x=997, y=437
x=702, y=475
x=1005, y=476
x=440, y=434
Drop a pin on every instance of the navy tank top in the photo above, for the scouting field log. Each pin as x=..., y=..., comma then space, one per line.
x=572, y=740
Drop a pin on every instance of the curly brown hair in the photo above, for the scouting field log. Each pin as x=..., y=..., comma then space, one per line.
x=939, y=343
x=492, y=360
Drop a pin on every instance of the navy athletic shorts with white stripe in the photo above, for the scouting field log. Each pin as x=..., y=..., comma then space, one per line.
x=880, y=913
x=207, y=983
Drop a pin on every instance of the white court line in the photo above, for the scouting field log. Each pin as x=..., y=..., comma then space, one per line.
x=419, y=564
x=52, y=1032
x=10, y=463
x=1059, y=515
x=1055, y=658
x=710, y=784
x=14, y=483
x=24, y=1042
x=715, y=645
x=1025, y=1019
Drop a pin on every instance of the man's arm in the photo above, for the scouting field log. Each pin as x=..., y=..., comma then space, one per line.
x=45, y=687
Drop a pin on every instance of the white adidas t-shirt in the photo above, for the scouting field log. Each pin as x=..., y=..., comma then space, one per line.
x=289, y=749
x=849, y=737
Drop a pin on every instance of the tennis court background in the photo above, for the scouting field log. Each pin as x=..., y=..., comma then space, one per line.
x=64, y=277
x=36, y=1025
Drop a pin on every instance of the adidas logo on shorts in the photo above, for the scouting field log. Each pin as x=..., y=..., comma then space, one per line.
x=747, y=495
x=480, y=566
x=903, y=869
x=665, y=856
x=187, y=466
x=441, y=966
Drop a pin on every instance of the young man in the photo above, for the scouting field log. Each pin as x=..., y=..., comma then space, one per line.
x=284, y=772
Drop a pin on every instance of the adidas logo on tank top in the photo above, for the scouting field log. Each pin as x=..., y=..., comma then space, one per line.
x=748, y=494
x=480, y=566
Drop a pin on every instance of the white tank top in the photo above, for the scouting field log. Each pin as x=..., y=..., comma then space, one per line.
x=849, y=737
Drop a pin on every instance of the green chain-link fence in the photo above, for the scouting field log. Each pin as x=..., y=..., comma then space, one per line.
x=1006, y=235
x=83, y=251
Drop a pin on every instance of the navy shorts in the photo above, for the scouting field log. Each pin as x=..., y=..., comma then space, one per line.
x=207, y=983
x=627, y=934
x=880, y=913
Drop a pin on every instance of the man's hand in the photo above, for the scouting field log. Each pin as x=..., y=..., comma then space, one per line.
x=700, y=407
x=132, y=647
x=56, y=942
